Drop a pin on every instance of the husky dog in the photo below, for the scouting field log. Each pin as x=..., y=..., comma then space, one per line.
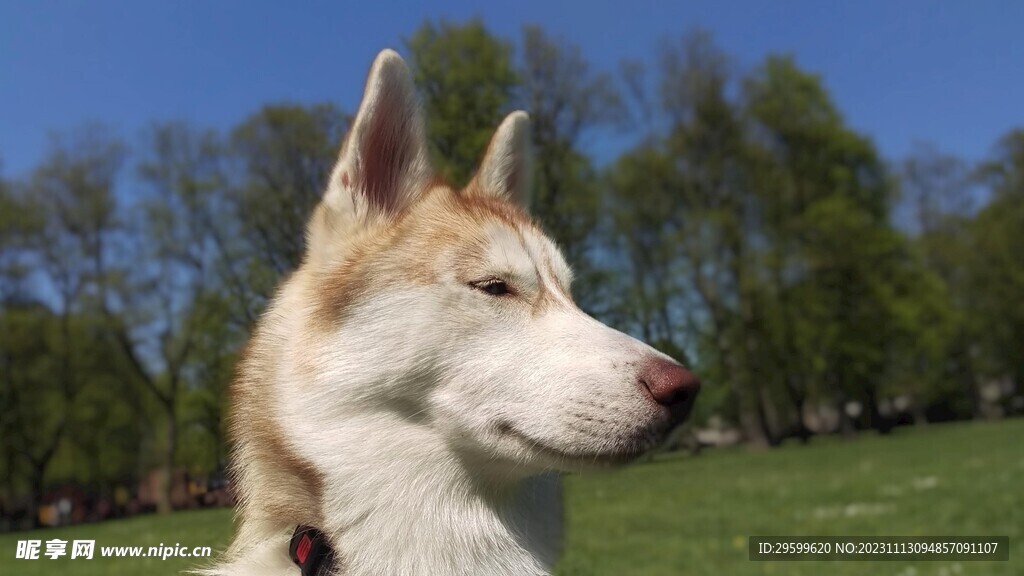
x=415, y=387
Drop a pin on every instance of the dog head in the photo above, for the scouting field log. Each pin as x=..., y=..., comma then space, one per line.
x=450, y=310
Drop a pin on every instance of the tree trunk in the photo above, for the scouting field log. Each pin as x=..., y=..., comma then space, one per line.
x=38, y=493
x=846, y=425
x=164, y=504
x=753, y=428
x=753, y=419
x=919, y=414
x=877, y=421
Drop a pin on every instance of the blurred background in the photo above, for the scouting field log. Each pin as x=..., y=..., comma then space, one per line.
x=818, y=206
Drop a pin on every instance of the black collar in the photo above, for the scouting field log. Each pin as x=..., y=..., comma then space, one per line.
x=311, y=551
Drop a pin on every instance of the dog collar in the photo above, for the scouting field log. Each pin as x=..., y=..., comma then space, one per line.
x=311, y=551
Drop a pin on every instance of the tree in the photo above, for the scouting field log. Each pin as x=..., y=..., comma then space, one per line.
x=29, y=435
x=938, y=188
x=55, y=354
x=281, y=160
x=997, y=264
x=566, y=101
x=736, y=217
x=827, y=186
x=681, y=209
x=177, y=233
x=41, y=383
x=20, y=221
x=467, y=83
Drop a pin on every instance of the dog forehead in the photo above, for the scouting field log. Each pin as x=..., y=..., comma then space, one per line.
x=505, y=247
x=493, y=233
x=547, y=257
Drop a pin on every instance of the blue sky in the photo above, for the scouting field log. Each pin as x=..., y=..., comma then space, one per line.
x=947, y=73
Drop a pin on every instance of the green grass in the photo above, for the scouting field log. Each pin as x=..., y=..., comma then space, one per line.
x=190, y=528
x=683, y=515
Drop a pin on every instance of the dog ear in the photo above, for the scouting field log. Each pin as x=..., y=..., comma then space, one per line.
x=506, y=170
x=384, y=163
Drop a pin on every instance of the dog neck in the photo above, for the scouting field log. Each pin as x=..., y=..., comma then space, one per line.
x=434, y=513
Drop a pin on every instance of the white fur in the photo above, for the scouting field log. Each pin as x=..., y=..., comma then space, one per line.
x=438, y=415
x=507, y=173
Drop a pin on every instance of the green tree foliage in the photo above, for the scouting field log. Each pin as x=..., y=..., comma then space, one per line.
x=467, y=81
x=566, y=101
x=939, y=190
x=282, y=157
x=756, y=223
x=19, y=221
x=831, y=187
x=74, y=419
x=997, y=264
x=180, y=243
x=682, y=204
x=67, y=413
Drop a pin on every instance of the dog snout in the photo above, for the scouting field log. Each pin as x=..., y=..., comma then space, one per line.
x=670, y=385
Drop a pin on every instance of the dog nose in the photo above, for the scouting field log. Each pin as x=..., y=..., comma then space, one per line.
x=670, y=384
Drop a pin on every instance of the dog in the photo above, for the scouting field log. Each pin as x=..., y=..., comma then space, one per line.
x=416, y=385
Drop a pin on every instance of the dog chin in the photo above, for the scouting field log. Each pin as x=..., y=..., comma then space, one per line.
x=578, y=457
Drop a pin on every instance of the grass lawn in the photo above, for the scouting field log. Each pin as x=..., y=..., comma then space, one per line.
x=190, y=528
x=682, y=515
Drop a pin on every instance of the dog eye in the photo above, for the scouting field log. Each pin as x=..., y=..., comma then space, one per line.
x=496, y=288
x=492, y=286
